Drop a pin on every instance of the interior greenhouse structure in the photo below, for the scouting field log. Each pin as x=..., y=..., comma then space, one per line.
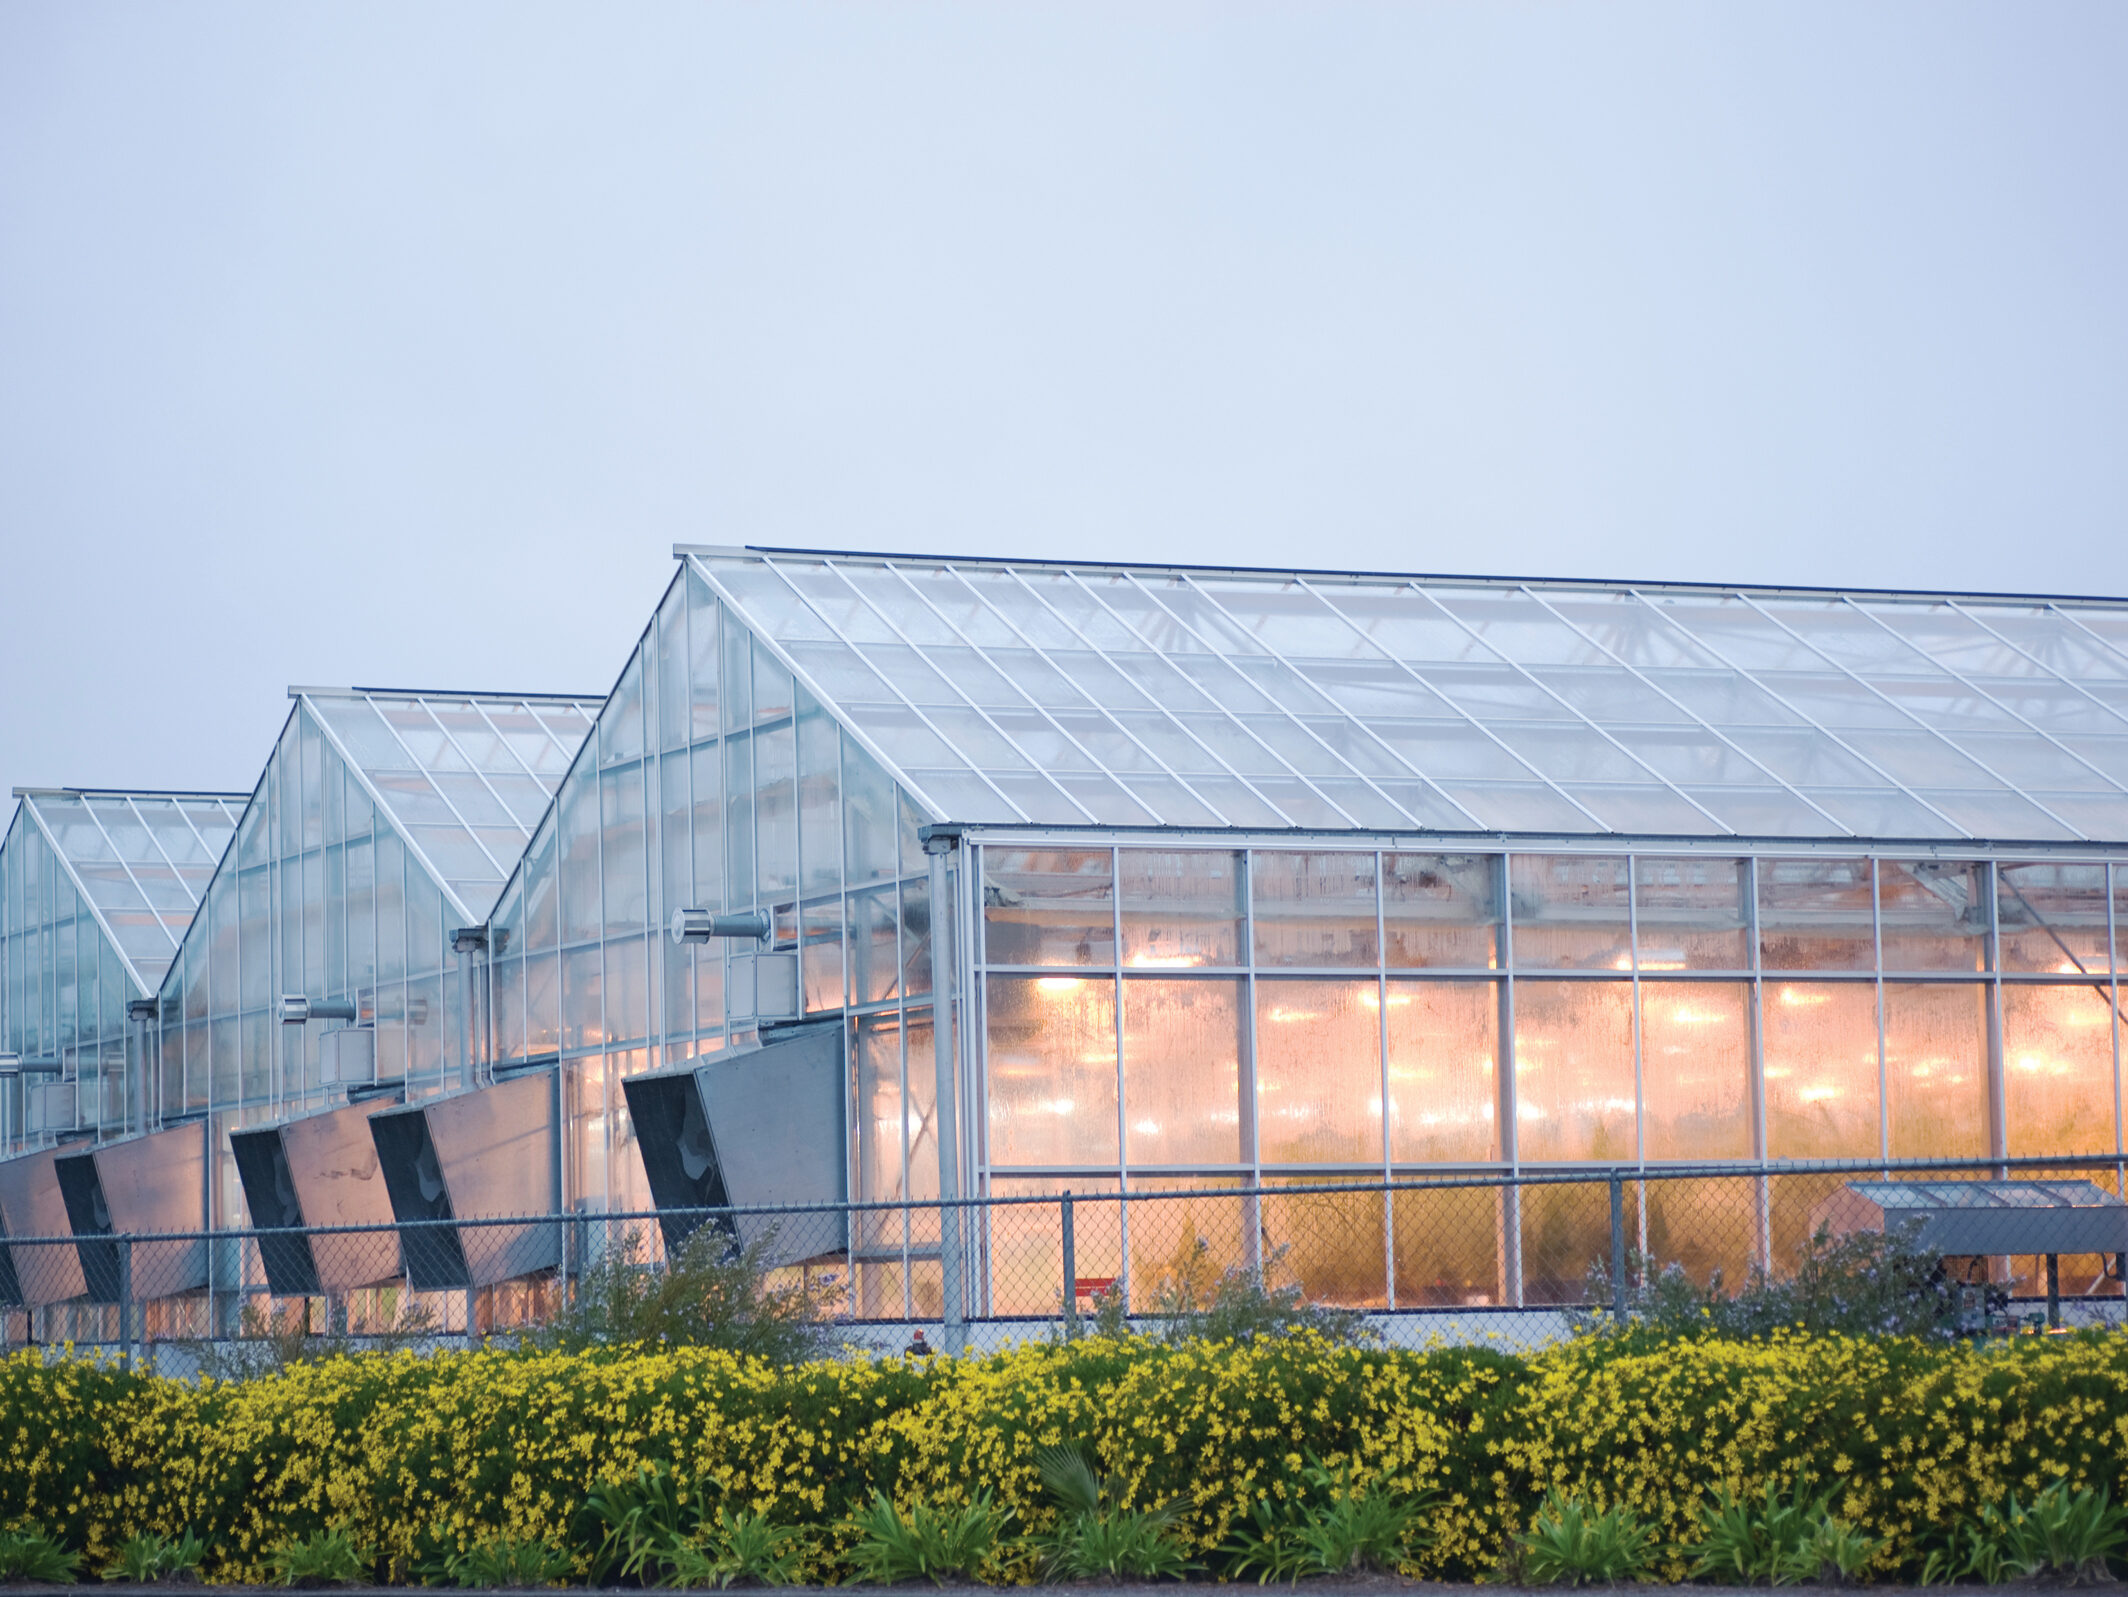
x=976, y=878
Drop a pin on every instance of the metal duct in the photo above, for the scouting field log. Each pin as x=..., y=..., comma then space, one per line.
x=138, y=1187
x=759, y=1127
x=491, y=1152
x=319, y=1170
x=31, y=1205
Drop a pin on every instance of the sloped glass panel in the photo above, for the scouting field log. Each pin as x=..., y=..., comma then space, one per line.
x=1764, y=812
x=1519, y=628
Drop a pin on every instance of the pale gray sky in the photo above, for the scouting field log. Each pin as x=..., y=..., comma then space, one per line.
x=396, y=344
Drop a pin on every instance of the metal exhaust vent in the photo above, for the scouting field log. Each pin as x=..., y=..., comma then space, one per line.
x=320, y=1170
x=759, y=1127
x=490, y=1153
x=31, y=1205
x=138, y=1187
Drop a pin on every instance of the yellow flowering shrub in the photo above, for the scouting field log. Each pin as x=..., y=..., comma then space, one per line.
x=422, y=1454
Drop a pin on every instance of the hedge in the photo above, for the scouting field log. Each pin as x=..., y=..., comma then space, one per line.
x=418, y=1453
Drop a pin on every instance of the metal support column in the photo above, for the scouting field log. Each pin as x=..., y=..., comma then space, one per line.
x=952, y=1265
x=1071, y=1269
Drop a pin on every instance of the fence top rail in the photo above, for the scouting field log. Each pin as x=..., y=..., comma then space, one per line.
x=1297, y=1186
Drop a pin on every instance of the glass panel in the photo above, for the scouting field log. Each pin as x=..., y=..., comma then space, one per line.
x=1052, y=1062
x=1318, y=1072
x=1574, y=1071
x=621, y=848
x=1182, y=1042
x=1048, y=907
x=1690, y=914
x=2051, y=916
x=579, y=857
x=776, y=812
x=1817, y=914
x=1314, y=908
x=1181, y=907
x=1695, y=1060
x=702, y=650
x=1820, y=1041
x=874, y=965
x=2057, y=1057
x=1444, y=1043
x=672, y=694
x=819, y=796
x=1934, y=914
x=1333, y=1246
x=1570, y=911
x=880, y=1127
x=1936, y=1069
x=1447, y=1247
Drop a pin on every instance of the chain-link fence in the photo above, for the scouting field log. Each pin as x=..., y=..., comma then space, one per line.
x=1506, y=1257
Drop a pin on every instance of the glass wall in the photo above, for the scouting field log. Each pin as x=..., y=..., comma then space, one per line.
x=63, y=998
x=320, y=897
x=1152, y=1014
x=96, y=889
x=713, y=781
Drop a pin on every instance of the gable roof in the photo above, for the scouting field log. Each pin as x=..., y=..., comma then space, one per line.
x=1079, y=693
x=140, y=860
x=462, y=777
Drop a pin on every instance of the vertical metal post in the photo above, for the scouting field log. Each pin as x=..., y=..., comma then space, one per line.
x=1071, y=1270
x=126, y=1302
x=1618, y=1245
x=2053, y=1290
x=945, y=1095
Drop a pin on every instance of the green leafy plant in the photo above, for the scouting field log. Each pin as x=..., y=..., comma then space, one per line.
x=1746, y=1541
x=1566, y=1544
x=739, y=1547
x=926, y=1543
x=1196, y=1301
x=1866, y=1283
x=323, y=1558
x=1833, y=1554
x=1096, y=1537
x=32, y=1555
x=708, y=1292
x=2073, y=1535
x=1336, y=1527
x=641, y=1523
x=499, y=1561
x=150, y=1557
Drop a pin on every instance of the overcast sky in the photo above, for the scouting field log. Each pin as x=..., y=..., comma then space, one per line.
x=398, y=344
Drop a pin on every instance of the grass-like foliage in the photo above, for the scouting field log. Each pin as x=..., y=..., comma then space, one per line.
x=323, y=1558
x=1569, y=1545
x=739, y=1547
x=2073, y=1535
x=1197, y=1301
x=150, y=1557
x=1778, y=1540
x=501, y=1561
x=32, y=1555
x=1096, y=1537
x=709, y=1292
x=640, y=1524
x=926, y=1543
x=1337, y=1527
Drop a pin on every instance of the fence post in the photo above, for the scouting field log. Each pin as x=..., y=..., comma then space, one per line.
x=1618, y=1245
x=1071, y=1271
x=125, y=1301
x=2053, y=1291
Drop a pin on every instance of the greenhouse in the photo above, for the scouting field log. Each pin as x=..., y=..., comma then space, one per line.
x=1222, y=880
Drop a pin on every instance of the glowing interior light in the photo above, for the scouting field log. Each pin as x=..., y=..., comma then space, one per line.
x=1059, y=984
x=1061, y=1106
x=1165, y=961
x=1796, y=998
x=1817, y=1094
x=1146, y=1128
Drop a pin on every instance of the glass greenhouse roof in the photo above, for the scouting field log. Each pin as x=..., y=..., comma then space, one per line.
x=1068, y=694
x=141, y=860
x=1985, y=1194
x=465, y=777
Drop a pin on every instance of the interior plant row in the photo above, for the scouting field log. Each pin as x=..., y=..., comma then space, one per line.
x=1784, y=1457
